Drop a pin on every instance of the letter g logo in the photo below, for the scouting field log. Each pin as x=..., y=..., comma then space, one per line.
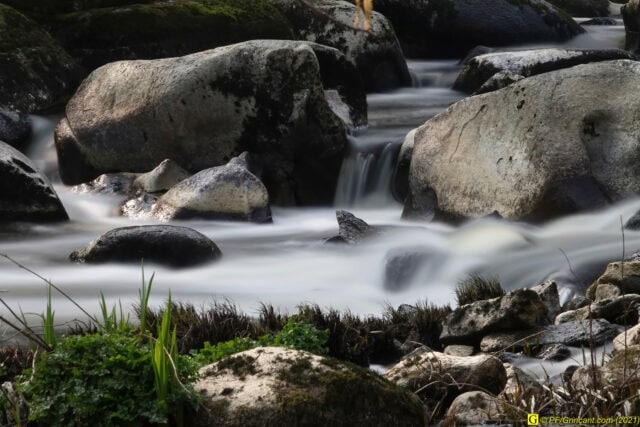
x=533, y=419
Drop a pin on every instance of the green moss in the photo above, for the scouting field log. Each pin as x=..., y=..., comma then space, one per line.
x=241, y=365
x=219, y=21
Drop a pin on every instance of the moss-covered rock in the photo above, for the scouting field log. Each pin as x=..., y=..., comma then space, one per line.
x=377, y=54
x=449, y=28
x=35, y=72
x=165, y=29
x=274, y=386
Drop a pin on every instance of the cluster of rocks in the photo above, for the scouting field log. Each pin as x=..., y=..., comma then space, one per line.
x=474, y=381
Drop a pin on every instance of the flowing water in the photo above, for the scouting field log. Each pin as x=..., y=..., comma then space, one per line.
x=287, y=263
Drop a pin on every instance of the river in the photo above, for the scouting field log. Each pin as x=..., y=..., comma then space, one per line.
x=287, y=263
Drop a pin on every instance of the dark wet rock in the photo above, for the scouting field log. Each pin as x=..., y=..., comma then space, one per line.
x=583, y=7
x=284, y=387
x=573, y=334
x=35, y=71
x=518, y=309
x=201, y=110
x=401, y=266
x=495, y=151
x=229, y=192
x=400, y=180
x=377, y=55
x=352, y=230
x=15, y=127
x=161, y=244
x=633, y=223
x=575, y=303
x=450, y=28
x=108, y=183
x=554, y=352
x=25, y=194
x=631, y=18
x=600, y=21
x=507, y=67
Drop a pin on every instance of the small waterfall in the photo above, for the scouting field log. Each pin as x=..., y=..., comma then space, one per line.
x=365, y=177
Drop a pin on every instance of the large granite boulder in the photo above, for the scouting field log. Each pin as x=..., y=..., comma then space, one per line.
x=165, y=29
x=272, y=386
x=25, y=194
x=548, y=145
x=376, y=54
x=36, y=73
x=162, y=244
x=203, y=109
x=449, y=28
x=527, y=63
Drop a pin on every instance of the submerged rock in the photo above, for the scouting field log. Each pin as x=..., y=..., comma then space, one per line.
x=25, y=194
x=545, y=146
x=162, y=244
x=108, y=183
x=200, y=110
x=284, y=387
x=352, y=230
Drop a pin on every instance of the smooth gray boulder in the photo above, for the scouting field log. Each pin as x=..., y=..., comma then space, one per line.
x=229, y=192
x=25, y=194
x=474, y=408
x=552, y=144
x=200, y=110
x=162, y=244
x=522, y=308
x=526, y=63
x=377, y=55
x=450, y=28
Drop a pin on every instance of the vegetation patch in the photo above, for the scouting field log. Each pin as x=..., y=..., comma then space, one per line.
x=476, y=288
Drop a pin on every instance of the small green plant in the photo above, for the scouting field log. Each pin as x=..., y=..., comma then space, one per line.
x=99, y=380
x=476, y=288
x=111, y=322
x=48, y=322
x=302, y=336
x=213, y=353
